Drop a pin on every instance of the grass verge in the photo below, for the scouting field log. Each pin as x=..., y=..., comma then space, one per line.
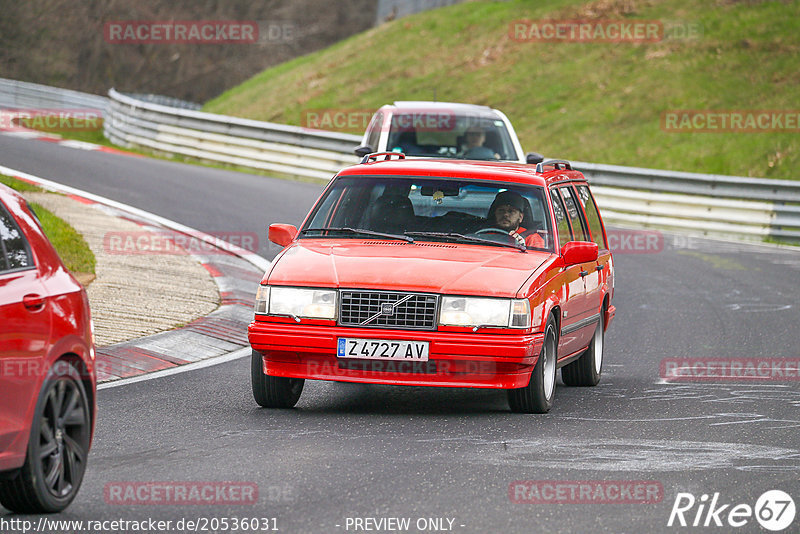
x=70, y=245
x=587, y=101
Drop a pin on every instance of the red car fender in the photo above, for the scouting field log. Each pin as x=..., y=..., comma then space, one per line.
x=609, y=316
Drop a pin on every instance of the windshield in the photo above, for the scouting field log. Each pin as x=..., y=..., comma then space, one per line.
x=434, y=209
x=447, y=135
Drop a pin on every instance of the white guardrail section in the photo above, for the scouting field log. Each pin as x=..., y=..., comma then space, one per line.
x=743, y=208
x=718, y=205
x=729, y=206
x=266, y=146
x=25, y=95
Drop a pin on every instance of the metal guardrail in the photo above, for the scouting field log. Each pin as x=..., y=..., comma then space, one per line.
x=730, y=206
x=165, y=101
x=259, y=145
x=25, y=95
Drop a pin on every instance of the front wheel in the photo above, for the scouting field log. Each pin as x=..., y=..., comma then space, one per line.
x=58, y=447
x=586, y=370
x=537, y=396
x=273, y=391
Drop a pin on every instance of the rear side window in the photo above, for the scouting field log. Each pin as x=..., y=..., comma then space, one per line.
x=562, y=224
x=16, y=252
x=575, y=215
x=592, y=216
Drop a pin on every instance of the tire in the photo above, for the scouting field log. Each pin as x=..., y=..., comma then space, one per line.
x=273, y=391
x=58, y=447
x=537, y=396
x=586, y=370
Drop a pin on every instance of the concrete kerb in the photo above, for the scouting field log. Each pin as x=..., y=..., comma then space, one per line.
x=215, y=338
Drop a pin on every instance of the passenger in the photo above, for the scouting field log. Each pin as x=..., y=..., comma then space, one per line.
x=475, y=137
x=507, y=213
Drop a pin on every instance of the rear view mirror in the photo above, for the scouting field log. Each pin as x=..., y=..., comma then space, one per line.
x=532, y=158
x=282, y=234
x=364, y=150
x=576, y=252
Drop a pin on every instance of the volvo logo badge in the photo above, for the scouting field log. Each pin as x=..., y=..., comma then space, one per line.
x=387, y=308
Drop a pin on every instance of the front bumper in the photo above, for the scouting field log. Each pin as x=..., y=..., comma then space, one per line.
x=480, y=359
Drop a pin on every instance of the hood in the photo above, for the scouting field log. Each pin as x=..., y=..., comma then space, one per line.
x=450, y=268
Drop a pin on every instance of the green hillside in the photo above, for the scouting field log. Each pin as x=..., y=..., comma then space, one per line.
x=588, y=101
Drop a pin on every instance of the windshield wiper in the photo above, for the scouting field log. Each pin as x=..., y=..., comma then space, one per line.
x=358, y=231
x=521, y=248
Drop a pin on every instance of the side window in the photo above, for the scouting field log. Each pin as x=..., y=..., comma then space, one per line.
x=374, y=136
x=16, y=252
x=562, y=224
x=592, y=216
x=575, y=214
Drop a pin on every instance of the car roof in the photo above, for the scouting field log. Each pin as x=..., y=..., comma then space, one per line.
x=457, y=108
x=11, y=198
x=468, y=169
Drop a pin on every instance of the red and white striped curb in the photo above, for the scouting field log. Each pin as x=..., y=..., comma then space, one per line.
x=218, y=337
x=36, y=135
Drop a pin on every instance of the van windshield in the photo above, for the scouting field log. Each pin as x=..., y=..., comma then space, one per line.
x=444, y=134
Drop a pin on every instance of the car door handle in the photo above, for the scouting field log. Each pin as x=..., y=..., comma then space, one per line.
x=33, y=302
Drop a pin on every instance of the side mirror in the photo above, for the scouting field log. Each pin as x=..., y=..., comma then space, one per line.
x=576, y=252
x=282, y=234
x=364, y=150
x=533, y=158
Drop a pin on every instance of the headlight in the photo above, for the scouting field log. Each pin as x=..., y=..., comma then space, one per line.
x=296, y=302
x=501, y=313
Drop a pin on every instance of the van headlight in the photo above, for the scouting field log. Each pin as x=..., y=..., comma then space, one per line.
x=471, y=311
x=296, y=302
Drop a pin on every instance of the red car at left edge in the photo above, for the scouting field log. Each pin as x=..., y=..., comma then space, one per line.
x=47, y=368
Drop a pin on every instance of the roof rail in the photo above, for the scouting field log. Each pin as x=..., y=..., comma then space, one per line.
x=375, y=155
x=553, y=163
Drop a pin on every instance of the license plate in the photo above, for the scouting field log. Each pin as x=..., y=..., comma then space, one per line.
x=382, y=349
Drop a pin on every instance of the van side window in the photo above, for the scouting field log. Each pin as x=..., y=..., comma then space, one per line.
x=592, y=216
x=562, y=224
x=575, y=214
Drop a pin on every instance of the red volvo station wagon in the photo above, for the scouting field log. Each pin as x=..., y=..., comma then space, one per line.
x=438, y=273
x=47, y=368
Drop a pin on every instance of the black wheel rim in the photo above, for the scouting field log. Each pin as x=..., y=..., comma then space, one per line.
x=62, y=435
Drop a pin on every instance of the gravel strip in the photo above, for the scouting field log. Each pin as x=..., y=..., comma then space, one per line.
x=134, y=295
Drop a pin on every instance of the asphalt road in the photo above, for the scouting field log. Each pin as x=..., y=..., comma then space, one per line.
x=354, y=451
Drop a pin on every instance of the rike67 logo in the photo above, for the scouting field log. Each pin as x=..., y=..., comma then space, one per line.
x=774, y=510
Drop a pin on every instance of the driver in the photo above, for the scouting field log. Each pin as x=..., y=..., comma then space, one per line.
x=475, y=136
x=508, y=212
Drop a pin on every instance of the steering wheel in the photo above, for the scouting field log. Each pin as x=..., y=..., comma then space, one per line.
x=493, y=230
